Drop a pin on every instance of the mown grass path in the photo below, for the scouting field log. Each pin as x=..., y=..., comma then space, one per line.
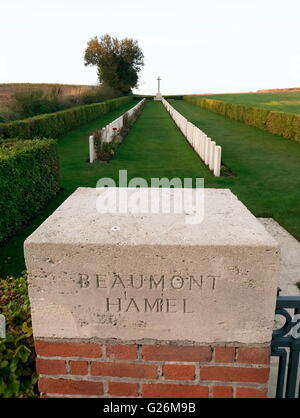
x=267, y=166
x=154, y=148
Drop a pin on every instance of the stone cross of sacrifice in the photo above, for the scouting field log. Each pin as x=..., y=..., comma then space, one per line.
x=159, y=80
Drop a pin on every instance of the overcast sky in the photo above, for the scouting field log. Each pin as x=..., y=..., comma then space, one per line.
x=196, y=46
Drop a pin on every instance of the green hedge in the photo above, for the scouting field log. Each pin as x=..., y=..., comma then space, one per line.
x=55, y=124
x=18, y=377
x=29, y=178
x=279, y=123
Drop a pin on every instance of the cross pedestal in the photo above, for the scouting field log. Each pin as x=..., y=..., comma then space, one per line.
x=158, y=94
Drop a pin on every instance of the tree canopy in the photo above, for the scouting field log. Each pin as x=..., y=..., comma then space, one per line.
x=118, y=61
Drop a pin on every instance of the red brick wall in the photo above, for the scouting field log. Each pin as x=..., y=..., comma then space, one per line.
x=69, y=369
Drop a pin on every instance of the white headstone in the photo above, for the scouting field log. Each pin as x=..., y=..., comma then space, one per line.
x=217, y=163
x=91, y=149
x=212, y=155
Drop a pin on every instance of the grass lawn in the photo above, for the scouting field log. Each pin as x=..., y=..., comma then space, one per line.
x=284, y=102
x=154, y=148
x=267, y=166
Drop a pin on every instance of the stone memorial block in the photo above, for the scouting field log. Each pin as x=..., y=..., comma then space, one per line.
x=152, y=276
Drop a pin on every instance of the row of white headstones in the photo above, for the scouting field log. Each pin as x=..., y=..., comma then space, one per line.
x=209, y=152
x=112, y=129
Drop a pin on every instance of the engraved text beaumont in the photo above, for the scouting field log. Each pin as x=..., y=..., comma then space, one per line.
x=176, y=282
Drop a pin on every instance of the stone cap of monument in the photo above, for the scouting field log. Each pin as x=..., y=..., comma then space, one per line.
x=153, y=276
x=227, y=222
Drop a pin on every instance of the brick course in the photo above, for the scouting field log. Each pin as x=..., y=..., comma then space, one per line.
x=79, y=368
x=151, y=370
x=179, y=372
x=66, y=349
x=224, y=354
x=222, y=392
x=123, y=389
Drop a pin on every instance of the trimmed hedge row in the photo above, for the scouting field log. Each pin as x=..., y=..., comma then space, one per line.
x=55, y=124
x=29, y=178
x=279, y=123
x=18, y=377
